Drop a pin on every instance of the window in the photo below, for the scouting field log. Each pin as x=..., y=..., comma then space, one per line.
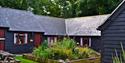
x=85, y=41
x=30, y=37
x=77, y=40
x=2, y=35
x=20, y=38
x=51, y=40
x=60, y=37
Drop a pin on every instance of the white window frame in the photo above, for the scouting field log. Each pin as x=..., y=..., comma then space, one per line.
x=81, y=41
x=55, y=39
x=51, y=40
x=48, y=40
x=2, y=38
x=90, y=41
x=15, y=38
x=26, y=38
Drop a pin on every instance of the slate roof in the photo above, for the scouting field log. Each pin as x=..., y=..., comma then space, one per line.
x=52, y=25
x=85, y=26
x=19, y=20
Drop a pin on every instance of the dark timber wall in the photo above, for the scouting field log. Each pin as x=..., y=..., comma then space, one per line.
x=113, y=35
x=95, y=41
x=13, y=48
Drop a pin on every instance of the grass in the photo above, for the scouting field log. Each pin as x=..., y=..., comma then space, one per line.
x=24, y=60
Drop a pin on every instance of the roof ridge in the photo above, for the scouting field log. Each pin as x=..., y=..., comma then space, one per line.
x=88, y=16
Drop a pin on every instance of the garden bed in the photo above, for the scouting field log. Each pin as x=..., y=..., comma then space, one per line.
x=88, y=60
x=65, y=50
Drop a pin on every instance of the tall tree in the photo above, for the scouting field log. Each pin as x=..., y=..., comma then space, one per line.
x=63, y=8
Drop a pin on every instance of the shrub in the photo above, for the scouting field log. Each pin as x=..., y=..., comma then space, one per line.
x=42, y=52
x=63, y=49
x=85, y=52
x=66, y=43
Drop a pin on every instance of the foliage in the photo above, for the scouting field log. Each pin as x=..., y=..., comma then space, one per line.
x=63, y=8
x=66, y=43
x=117, y=58
x=42, y=52
x=86, y=52
x=24, y=60
x=64, y=49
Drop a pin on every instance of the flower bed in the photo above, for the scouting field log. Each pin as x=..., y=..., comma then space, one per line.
x=32, y=57
x=89, y=60
x=63, y=51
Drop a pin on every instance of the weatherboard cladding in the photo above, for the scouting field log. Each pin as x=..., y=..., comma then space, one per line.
x=96, y=43
x=113, y=33
x=16, y=48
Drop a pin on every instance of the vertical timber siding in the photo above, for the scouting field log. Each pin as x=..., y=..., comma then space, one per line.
x=37, y=39
x=2, y=40
x=112, y=36
x=96, y=43
x=13, y=48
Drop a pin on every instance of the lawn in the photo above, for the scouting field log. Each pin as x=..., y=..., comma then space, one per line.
x=24, y=60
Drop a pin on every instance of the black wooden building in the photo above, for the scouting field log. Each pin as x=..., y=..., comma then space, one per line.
x=83, y=30
x=113, y=33
x=21, y=31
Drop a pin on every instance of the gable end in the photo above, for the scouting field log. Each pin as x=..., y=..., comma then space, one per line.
x=113, y=15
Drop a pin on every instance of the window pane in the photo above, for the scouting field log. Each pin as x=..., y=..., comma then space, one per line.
x=85, y=41
x=20, y=38
x=1, y=33
x=30, y=37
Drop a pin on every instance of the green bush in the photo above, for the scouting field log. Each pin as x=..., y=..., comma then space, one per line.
x=42, y=52
x=63, y=49
x=65, y=43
